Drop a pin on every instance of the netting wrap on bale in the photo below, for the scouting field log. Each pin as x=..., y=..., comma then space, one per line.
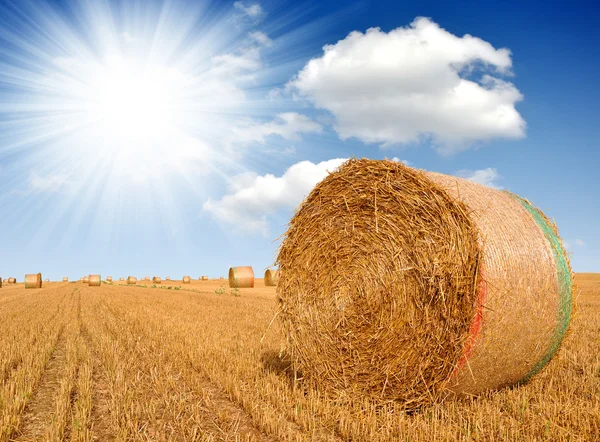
x=241, y=277
x=33, y=281
x=271, y=277
x=409, y=285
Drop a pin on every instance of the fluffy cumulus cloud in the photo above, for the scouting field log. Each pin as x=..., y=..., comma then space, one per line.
x=412, y=84
x=287, y=125
x=252, y=198
x=487, y=177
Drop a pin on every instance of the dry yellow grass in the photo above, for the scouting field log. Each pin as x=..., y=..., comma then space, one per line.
x=199, y=362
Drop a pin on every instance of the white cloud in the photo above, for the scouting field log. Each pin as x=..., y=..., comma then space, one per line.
x=412, y=84
x=252, y=198
x=287, y=125
x=405, y=162
x=254, y=10
x=570, y=245
x=48, y=183
x=261, y=37
x=579, y=242
x=486, y=177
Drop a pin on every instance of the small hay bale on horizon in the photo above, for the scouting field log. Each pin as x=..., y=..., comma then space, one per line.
x=109, y=278
x=204, y=278
x=12, y=280
x=187, y=280
x=33, y=281
x=65, y=279
x=94, y=280
x=156, y=280
x=241, y=277
x=131, y=280
x=413, y=286
x=271, y=277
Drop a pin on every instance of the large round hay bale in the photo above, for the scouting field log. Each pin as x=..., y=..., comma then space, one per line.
x=187, y=280
x=403, y=284
x=94, y=280
x=109, y=278
x=205, y=278
x=156, y=280
x=33, y=281
x=241, y=277
x=131, y=280
x=271, y=277
x=65, y=279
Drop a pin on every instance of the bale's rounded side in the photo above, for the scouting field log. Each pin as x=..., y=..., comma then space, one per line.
x=271, y=277
x=12, y=280
x=94, y=280
x=131, y=280
x=33, y=281
x=401, y=284
x=187, y=280
x=241, y=277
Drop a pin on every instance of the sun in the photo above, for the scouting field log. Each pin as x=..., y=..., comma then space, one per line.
x=134, y=102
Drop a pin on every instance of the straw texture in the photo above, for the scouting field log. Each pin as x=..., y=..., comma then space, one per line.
x=271, y=277
x=414, y=286
x=12, y=280
x=33, y=281
x=94, y=280
x=241, y=277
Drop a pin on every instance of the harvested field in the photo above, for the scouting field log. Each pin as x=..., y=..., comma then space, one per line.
x=202, y=362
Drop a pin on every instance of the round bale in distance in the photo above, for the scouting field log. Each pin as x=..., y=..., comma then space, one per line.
x=131, y=280
x=414, y=286
x=65, y=279
x=109, y=278
x=94, y=280
x=168, y=278
x=12, y=280
x=241, y=277
x=156, y=280
x=33, y=281
x=271, y=277
x=205, y=278
x=187, y=280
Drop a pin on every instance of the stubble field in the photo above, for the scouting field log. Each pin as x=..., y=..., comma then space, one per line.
x=200, y=362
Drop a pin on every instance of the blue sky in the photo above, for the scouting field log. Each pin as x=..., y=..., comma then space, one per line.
x=171, y=138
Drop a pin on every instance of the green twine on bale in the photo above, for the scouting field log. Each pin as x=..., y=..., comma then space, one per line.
x=564, y=283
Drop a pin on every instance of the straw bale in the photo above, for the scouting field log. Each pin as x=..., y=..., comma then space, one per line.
x=156, y=280
x=271, y=277
x=12, y=280
x=121, y=279
x=109, y=278
x=131, y=280
x=33, y=281
x=187, y=280
x=412, y=286
x=205, y=278
x=65, y=279
x=94, y=280
x=241, y=277
x=46, y=280
x=168, y=278
x=0, y=282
